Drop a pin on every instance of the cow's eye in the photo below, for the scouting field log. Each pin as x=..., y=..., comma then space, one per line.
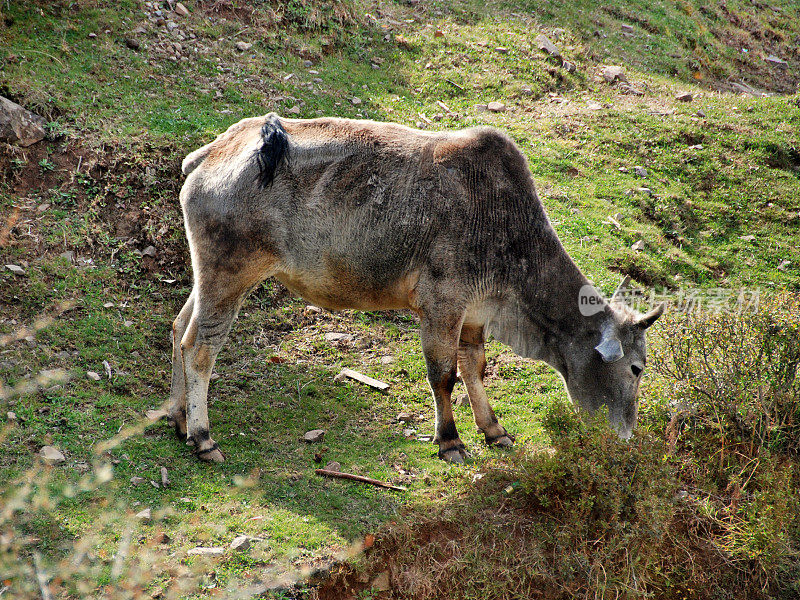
x=637, y=370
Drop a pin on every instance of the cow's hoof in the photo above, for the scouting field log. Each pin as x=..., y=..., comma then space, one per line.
x=453, y=455
x=211, y=454
x=503, y=441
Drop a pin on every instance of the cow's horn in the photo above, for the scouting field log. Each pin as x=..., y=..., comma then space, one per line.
x=651, y=317
x=621, y=289
x=610, y=348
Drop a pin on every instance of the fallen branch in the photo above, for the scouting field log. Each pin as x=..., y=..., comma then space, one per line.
x=351, y=374
x=375, y=482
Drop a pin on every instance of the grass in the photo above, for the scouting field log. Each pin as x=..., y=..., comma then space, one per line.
x=720, y=169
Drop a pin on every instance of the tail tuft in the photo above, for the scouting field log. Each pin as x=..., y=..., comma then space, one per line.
x=274, y=149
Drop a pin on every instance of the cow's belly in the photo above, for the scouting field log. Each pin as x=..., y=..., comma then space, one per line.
x=338, y=292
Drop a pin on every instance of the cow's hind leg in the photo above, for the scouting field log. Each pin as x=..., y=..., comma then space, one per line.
x=176, y=411
x=472, y=364
x=217, y=302
x=440, y=346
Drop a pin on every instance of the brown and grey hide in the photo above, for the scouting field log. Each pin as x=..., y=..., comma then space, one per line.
x=366, y=215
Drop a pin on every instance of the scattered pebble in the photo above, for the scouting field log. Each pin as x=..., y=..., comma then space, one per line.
x=405, y=417
x=495, y=107
x=747, y=238
x=181, y=10
x=612, y=73
x=339, y=337
x=545, y=45
x=355, y=100
x=241, y=542
x=136, y=480
x=164, y=477
x=333, y=466
x=11, y=415
x=501, y=50
x=638, y=246
x=145, y=515
x=684, y=97
x=242, y=47
x=381, y=583
x=52, y=455
x=16, y=269
x=93, y=376
x=639, y=171
x=315, y=435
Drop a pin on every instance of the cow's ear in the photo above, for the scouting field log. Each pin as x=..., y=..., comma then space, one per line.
x=610, y=348
x=647, y=320
x=622, y=288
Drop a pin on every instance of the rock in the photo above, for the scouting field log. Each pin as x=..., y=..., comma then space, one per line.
x=339, y=337
x=69, y=255
x=145, y=515
x=381, y=582
x=387, y=360
x=295, y=110
x=409, y=433
x=51, y=455
x=481, y=107
x=164, y=477
x=92, y=375
x=568, y=66
x=629, y=89
x=405, y=417
x=696, y=147
x=355, y=100
x=16, y=269
x=700, y=114
x=149, y=251
x=315, y=435
x=136, y=480
x=333, y=466
x=545, y=45
x=592, y=105
x=684, y=97
x=181, y=10
x=644, y=190
x=132, y=43
x=777, y=62
x=206, y=552
x=627, y=28
x=638, y=246
x=495, y=107
x=242, y=47
x=640, y=171
x=612, y=73
x=92, y=35
x=501, y=50
x=241, y=542
x=11, y=415
x=747, y=238
x=784, y=264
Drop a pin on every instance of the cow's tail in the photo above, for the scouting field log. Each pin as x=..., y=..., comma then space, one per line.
x=273, y=151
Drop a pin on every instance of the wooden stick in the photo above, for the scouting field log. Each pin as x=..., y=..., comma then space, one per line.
x=375, y=482
x=379, y=385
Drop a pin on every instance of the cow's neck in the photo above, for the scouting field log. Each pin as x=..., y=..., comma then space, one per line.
x=540, y=317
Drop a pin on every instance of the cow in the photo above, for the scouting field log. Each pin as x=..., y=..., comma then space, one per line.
x=357, y=214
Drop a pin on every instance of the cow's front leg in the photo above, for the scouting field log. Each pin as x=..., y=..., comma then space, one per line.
x=472, y=363
x=440, y=347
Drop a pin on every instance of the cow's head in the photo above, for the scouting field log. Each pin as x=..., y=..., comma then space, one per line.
x=604, y=365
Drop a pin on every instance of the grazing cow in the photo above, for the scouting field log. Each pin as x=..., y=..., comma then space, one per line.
x=373, y=216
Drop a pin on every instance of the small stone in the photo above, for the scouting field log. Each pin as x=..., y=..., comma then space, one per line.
x=627, y=28
x=747, y=238
x=700, y=114
x=51, y=455
x=387, y=360
x=145, y=515
x=638, y=246
x=381, y=583
x=240, y=543
x=696, y=147
x=409, y=433
x=16, y=269
x=684, y=97
x=92, y=35
x=405, y=417
x=92, y=375
x=501, y=50
x=568, y=66
x=545, y=45
x=11, y=415
x=164, y=477
x=132, y=43
x=69, y=255
x=315, y=435
x=777, y=62
x=592, y=105
x=644, y=190
x=136, y=480
x=295, y=110
x=242, y=47
x=612, y=73
x=339, y=337
x=181, y=10
x=308, y=64
x=481, y=107
x=206, y=551
x=640, y=171
x=149, y=251
x=355, y=100
x=333, y=466
x=495, y=107
x=784, y=264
